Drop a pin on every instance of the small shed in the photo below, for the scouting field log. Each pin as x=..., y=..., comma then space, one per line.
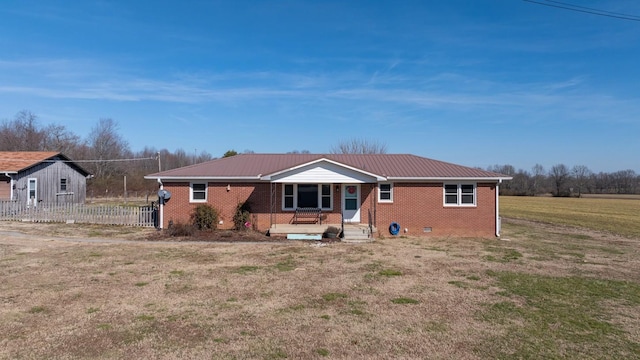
x=41, y=176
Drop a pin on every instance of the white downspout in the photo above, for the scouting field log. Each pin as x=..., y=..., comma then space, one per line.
x=160, y=208
x=498, y=225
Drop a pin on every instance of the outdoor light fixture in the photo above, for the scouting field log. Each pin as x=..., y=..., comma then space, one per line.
x=228, y=187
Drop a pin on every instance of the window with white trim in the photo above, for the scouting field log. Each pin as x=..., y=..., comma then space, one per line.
x=288, y=197
x=307, y=195
x=325, y=196
x=459, y=194
x=63, y=185
x=198, y=192
x=385, y=192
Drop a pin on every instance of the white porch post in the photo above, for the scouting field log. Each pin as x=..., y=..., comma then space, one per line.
x=498, y=225
x=160, y=207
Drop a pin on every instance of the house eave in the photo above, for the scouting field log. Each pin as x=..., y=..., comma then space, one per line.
x=208, y=178
x=445, y=179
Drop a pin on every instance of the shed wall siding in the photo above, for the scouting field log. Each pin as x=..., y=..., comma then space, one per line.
x=49, y=175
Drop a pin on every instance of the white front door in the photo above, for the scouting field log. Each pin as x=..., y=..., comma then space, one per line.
x=351, y=203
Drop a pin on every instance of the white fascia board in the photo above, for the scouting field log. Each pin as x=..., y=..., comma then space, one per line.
x=439, y=179
x=208, y=178
x=8, y=172
x=275, y=174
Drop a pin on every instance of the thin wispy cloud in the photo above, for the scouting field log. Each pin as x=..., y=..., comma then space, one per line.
x=427, y=76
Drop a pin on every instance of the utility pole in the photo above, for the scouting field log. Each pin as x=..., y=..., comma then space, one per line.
x=159, y=167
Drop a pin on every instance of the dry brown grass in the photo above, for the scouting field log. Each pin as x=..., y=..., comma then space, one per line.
x=395, y=298
x=617, y=215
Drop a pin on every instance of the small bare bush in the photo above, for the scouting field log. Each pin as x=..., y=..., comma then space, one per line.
x=242, y=216
x=205, y=217
x=180, y=230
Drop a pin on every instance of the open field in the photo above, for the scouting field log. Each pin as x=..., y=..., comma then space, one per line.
x=543, y=291
x=619, y=215
x=612, y=196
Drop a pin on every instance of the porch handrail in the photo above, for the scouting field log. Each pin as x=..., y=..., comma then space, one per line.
x=370, y=223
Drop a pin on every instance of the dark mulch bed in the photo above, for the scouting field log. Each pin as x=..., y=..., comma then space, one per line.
x=212, y=236
x=219, y=236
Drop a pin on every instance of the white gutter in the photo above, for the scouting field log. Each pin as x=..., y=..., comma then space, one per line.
x=160, y=208
x=498, y=224
x=211, y=178
x=476, y=179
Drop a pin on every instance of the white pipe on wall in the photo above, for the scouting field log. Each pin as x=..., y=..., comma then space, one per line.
x=498, y=208
x=160, y=208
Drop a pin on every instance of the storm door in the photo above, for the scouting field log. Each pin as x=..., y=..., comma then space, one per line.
x=351, y=203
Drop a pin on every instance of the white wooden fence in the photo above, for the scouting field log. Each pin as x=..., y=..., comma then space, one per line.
x=78, y=213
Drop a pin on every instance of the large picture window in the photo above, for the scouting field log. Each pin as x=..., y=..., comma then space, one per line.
x=307, y=195
x=198, y=192
x=459, y=195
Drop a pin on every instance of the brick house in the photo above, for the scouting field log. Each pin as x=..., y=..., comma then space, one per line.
x=417, y=195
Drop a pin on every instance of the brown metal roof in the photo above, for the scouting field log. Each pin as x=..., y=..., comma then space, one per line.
x=15, y=161
x=393, y=166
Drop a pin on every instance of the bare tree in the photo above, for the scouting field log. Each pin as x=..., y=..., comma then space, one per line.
x=59, y=139
x=559, y=174
x=202, y=157
x=539, y=179
x=106, y=145
x=581, y=177
x=521, y=183
x=624, y=181
x=507, y=187
x=22, y=133
x=359, y=146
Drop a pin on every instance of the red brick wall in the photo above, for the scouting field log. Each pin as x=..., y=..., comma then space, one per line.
x=179, y=209
x=415, y=206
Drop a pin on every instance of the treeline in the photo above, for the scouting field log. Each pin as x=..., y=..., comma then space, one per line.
x=561, y=180
x=104, y=153
x=107, y=156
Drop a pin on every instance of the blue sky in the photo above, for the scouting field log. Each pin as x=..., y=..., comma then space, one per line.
x=477, y=82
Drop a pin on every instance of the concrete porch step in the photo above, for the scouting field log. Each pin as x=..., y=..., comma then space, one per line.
x=356, y=233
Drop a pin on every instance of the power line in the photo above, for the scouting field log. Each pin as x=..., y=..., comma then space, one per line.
x=85, y=161
x=592, y=9
x=584, y=9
